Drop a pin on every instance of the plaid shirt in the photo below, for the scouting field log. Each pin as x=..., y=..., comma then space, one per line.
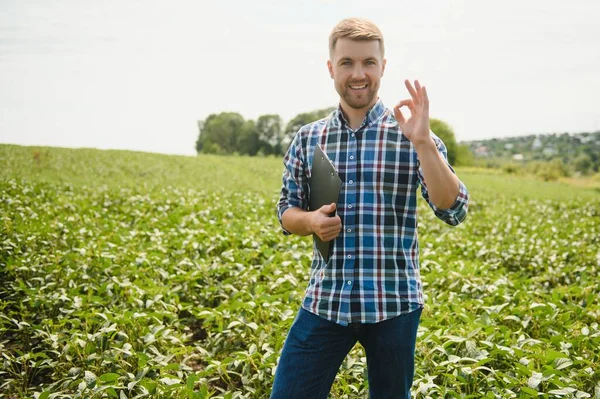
x=373, y=269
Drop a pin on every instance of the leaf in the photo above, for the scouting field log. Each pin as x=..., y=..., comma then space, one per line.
x=89, y=379
x=529, y=391
x=233, y=324
x=562, y=391
x=551, y=355
x=585, y=331
x=170, y=381
x=109, y=377
x=191, y=380
x=534, y=380
x=562, y=363
x=453, y=358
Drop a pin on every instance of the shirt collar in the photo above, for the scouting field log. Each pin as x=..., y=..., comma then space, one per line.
x=373, y=114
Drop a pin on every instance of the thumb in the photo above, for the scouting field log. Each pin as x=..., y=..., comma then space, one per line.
x=328, y=208
x=398, y=112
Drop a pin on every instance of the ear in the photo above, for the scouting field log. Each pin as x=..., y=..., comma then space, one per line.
x=383, y=66
x=330, y=67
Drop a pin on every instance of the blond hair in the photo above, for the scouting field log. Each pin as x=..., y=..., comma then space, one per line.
x=355, y=29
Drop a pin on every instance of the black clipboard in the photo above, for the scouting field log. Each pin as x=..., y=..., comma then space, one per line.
x=324, y=186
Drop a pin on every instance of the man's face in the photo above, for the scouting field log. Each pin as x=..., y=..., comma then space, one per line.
x=356, y=68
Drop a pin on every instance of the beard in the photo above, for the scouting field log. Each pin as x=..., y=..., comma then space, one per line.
x=358, y=99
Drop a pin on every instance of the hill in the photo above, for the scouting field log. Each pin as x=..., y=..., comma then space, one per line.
x=206, y=172
x=580, y=151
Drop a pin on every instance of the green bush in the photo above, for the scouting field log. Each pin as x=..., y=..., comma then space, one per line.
x=511, y=168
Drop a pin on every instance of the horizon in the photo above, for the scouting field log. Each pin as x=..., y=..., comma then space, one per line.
x=571, y=134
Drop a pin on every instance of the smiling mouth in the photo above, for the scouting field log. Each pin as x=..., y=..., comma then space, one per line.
x=361, y=87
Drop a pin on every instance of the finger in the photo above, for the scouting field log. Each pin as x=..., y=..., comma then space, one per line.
x=329, y=226
x=399, y=116
x=330, y=238
x=418, y=87
x=408, y=103
x=425, y=100
x=412, y=92
x=333, y=224
x=330, y=235
x=335, y=230
x=327, y=209
x=419, y=90
x=331, y=221
x=398, y=113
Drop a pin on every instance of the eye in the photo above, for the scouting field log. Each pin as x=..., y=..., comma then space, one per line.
x=346, y=63
x=370, y=62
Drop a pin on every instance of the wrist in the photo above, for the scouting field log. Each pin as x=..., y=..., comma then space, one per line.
x=310, y=222
x=424, y=144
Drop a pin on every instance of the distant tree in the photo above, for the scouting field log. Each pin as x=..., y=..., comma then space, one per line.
x=200, y=142
x=222, y=130
x=464, y=156
x=583, y=164
x=270, y=134
x=549, y=170
x=303, y=119
x=210, y=147
x=248, y=142
x=571, y=149
x=593, y=151
x=446, y=134
x=511, y=168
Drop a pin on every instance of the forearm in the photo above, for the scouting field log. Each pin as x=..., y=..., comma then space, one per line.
x=297, y=221
x=442, y=184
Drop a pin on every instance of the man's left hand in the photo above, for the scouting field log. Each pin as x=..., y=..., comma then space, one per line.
x=416, y=127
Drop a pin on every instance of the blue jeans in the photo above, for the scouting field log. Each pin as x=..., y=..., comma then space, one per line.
x=315, y=348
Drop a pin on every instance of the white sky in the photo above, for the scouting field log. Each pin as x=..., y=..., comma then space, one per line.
x=138, y=75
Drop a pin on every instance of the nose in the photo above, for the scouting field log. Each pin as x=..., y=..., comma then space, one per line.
x=358, y=72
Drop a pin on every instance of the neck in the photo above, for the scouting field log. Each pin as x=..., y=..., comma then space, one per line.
x=356, y=116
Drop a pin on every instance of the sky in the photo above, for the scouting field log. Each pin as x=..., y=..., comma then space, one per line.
x=138, y=75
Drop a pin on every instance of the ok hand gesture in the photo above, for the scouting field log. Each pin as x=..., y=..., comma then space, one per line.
x=416, y=127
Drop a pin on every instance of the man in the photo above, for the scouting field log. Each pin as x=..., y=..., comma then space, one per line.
x=370, y=290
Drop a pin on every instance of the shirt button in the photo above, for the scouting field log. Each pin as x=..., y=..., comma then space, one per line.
x=350, y=206
x=349, y=230
x=349, y=282
x=351, y=181
x=349, y=256
x=351, y=156
x=352, y=135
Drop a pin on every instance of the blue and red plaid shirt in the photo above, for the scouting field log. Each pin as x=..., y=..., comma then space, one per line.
x=373, y=270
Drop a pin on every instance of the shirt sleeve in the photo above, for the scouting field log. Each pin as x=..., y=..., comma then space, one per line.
x=457, y=213
x=294, y=189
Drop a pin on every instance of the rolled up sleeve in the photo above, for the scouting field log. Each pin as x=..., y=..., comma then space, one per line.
x=294, y=186
x=457, y=213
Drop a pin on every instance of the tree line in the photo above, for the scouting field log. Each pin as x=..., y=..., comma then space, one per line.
x=563, y=154
x=230, y=133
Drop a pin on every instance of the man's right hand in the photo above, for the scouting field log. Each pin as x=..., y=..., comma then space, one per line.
x=324, y=226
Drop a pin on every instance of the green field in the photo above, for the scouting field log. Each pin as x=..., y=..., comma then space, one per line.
x=129, y=274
